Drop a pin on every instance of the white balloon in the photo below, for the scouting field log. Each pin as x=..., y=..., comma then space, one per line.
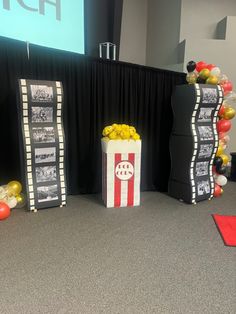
x=11, y=202
x=223, y=79
x=230, y=99
x=3, y=192
x=226, y=138
x=216, y=71
x=221, y=180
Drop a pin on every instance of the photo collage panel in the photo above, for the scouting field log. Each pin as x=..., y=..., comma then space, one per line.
x=44, y=138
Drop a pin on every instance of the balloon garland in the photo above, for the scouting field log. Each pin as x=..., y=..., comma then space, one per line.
x=203, y=73
x=120, y=132
x=10, y=197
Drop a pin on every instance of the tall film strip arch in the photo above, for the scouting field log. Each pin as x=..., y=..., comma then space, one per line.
x=40, y=108
x=194, y=141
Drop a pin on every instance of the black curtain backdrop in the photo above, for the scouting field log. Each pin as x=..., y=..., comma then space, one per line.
x=97, y=93
x=102, y=24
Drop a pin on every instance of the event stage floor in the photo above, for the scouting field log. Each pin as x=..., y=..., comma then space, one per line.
x=162, y=257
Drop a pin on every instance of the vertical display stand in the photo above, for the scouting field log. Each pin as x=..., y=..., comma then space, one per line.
x=194, y=141
x=121, y=166
x=40, y=111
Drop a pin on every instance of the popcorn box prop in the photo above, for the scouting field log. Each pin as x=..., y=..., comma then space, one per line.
x=121, y=164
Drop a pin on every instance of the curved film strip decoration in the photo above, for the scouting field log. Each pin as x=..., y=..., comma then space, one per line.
x=40, y=110
x=194, y=141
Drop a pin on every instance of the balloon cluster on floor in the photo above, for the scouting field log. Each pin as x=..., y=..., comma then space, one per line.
x=10, y=197
x=203, y=73
x=120, y=132
x=221, y=161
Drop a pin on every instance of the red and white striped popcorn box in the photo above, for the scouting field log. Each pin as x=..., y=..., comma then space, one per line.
x=121, y=165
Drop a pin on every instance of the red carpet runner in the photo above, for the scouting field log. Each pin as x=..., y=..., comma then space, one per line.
x=227, y=228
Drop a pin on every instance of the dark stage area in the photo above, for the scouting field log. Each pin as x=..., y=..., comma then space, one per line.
x=97, y=93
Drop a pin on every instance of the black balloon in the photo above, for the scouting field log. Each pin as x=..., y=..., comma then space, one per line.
x=191, y=66
x=201, y=80
x=218, y=161
x=221, y=170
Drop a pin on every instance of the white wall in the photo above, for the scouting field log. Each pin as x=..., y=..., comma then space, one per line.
x=163, y=32
x=152, y=32
x=200, y=17
x=134, y=32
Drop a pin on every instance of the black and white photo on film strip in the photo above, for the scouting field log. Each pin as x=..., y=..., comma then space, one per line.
x=42, y=114
x=43, y=135
x=205, y=114
x=202, y=168
x=209, y=95
x=41, y=93
x=44, y=155
x=206, y=133
x=44, y=143
x=205, y=151
x=203, y=187
x=47, y=193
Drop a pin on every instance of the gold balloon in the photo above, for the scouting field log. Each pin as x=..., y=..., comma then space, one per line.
x=212, y=79
x=14, y=188
x=191, y=78
x=229, y=113
x=204, y=74
x=220, y=150
x=20, y=198
x=225, y=159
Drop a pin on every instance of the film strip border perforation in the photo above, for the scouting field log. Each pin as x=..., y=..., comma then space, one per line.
x=216, y=137
x=195, y=142
x=61, y=143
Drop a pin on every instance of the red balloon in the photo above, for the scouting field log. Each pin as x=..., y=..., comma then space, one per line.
x=201, y=65
x=210, y=66
x=221, y=135
x=221, y=111
x=217, y=191
x=4, y=211
x=227, y=87
x=223, y=125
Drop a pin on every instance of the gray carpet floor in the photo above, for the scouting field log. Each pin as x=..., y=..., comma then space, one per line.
x=162, y=257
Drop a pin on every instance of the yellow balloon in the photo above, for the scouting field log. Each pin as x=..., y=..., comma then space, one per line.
x=14, y=188
x=220, y=150
x=107, y=130
x=125, y=127
x=112, y=135
x=212, y=79
x=229, y=113
x=136, y=137
x=132, y=130
x=125, y=135
x=20, y=199
x=117, y=128
x=225, y=159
